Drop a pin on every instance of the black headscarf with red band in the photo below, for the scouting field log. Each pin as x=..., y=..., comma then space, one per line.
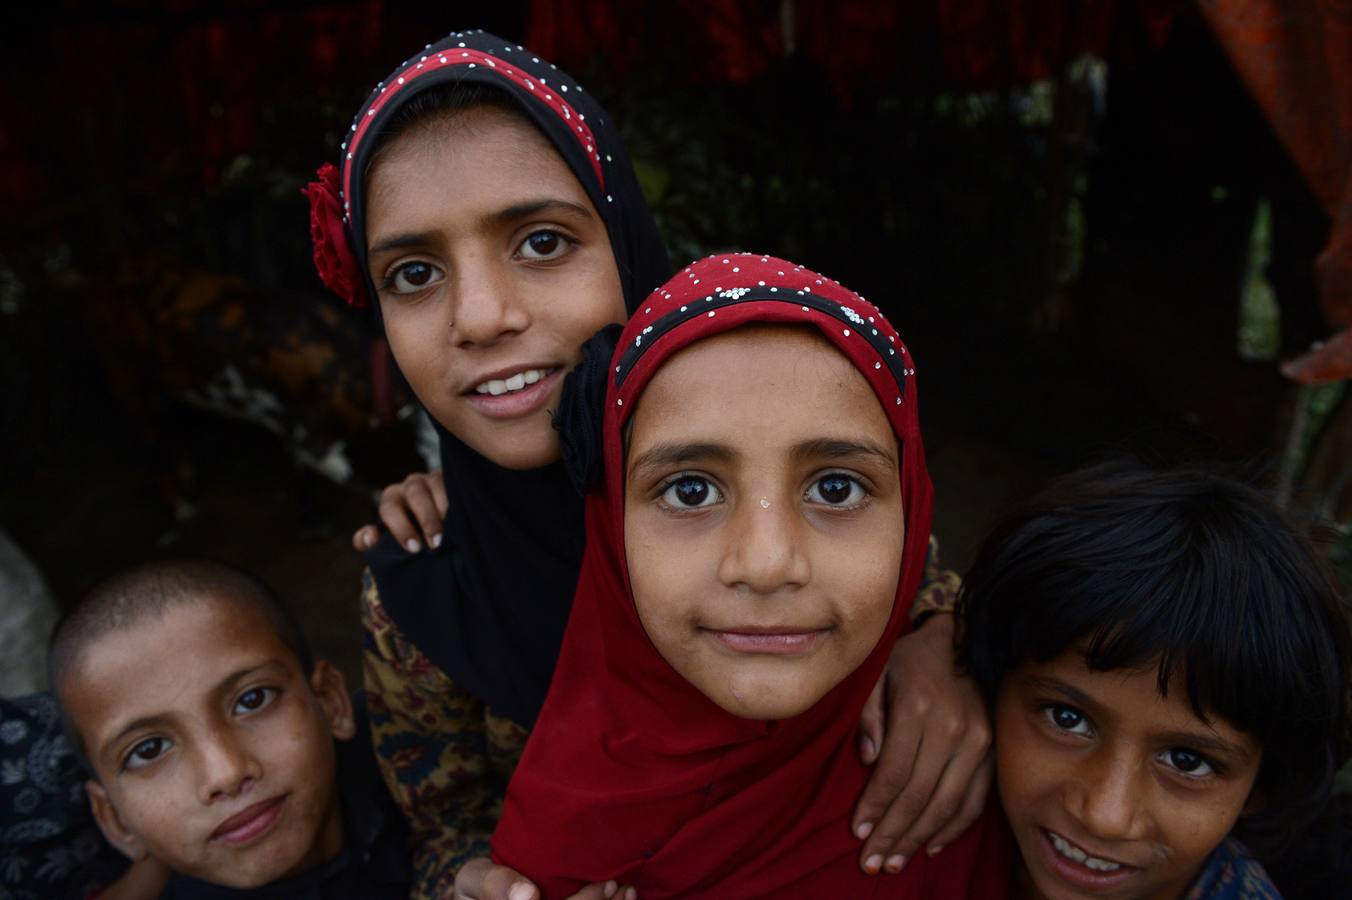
x=490, y=605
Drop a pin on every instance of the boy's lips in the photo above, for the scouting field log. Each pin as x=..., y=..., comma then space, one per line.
x=1086, y=874
x=249, y=824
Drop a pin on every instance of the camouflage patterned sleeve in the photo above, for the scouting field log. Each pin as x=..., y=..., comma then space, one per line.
x=444, y=757
x=938, y=591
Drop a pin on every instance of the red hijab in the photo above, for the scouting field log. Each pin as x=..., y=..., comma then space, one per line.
x=631, y=773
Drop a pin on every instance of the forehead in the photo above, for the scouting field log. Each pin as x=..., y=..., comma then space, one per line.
x=169, y=663
x=755, y=381
x=473, y=155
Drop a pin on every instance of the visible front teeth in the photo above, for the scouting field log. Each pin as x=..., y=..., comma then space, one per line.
x=1071, y=852
x=499, y=386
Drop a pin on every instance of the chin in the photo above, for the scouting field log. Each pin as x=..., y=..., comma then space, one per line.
x=762, y=708
x=522, y=456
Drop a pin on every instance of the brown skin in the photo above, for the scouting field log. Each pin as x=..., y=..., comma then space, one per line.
x=181, y=749
x=1127, y=776
x=763, y=518
x=489, y=259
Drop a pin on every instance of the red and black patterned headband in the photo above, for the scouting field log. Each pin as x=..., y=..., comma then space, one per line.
x=573, y=122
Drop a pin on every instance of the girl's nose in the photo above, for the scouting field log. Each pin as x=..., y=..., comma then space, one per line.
x=487, y=302
x=764, y=549
x=228, y=768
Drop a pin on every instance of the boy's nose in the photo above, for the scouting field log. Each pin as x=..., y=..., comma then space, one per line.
x=487, y=302
x=1110, y=800
x=228, y=769
x=764, y=549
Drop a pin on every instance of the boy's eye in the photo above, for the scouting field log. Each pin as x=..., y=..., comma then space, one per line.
x=1067, y=718
x=1187, y=762
x=691, y=492
x=146, y=752
x=836, y=490
x=412, y=277
x=544, y=244
x=254, y=700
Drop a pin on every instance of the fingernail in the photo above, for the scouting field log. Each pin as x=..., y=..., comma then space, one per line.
x=630, y=894
x=894, y=863
x=873, y=864
x=610, y=889
x=412, y=546
x=436, y=543
x=935, y=849
x=863, y=830
x=521, y=891
x=866, y=748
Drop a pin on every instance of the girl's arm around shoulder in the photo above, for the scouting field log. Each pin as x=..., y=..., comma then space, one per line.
x=445, y=759
x=926, y=731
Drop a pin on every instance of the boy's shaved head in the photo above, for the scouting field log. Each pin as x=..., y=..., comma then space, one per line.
x=147, y=592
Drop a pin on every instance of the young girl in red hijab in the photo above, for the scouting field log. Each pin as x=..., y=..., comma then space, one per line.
x=761, y=525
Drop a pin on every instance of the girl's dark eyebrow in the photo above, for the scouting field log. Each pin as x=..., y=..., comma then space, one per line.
x=1069, y=691
x=828, y=448
x=506, y=216
x=401, y=242
x=518, y=211
x=664, y=455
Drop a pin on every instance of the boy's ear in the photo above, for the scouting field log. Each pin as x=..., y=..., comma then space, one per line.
x=110, y=823
x=331, y=691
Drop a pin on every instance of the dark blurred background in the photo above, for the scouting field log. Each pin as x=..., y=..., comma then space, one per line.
x=1093, y=223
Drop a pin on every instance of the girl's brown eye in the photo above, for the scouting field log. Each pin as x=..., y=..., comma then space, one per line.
x=414, y=276
x=146, y=752
x=544, y=244
x=836, y=490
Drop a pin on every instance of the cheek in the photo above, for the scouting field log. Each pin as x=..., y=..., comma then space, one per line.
x=595, y=300
x=866, y=579
x=1021, y=762
x=414, y=339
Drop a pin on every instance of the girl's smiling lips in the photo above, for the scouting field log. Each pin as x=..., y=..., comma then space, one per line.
x=515, y=401
x=773, y=640
x=1077, y=874
x=249, y=825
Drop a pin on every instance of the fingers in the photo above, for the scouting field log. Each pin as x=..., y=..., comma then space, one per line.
x=364, y=538
x=414, y=509
x=422, y=502
x=436, y=483
x=953, y=754
x=973, y=802
x=480, y=879
x=394, y=516
x=884, y=849
x=899, y=749
x=871, y=724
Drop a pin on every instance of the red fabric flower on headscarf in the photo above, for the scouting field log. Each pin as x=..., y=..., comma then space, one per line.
x=334, y=259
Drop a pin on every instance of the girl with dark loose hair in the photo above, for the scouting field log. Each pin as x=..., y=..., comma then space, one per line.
x=1168, y=664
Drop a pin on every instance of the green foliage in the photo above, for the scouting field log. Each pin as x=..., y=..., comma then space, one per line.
x=1260, y=327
